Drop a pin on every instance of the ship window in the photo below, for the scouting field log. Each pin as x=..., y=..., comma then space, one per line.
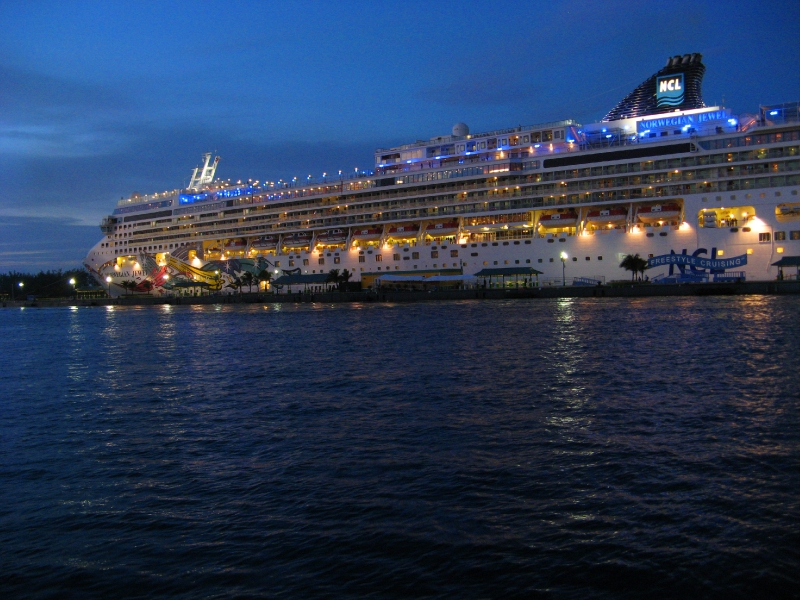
x=495, y=262
x=415, y=255
x=794, y=235
x=486, y=262
x=494, y=243
x=321, y=261
x=362, y=259
x=574, y=259
x=336, y=260
x=396, y=257
x=527, y=241
x=453, y=253
x=484, y=244
x=474, y=254
x=588, y=258
x=599, y=258
x=516, y=262
x=434, y=254
x=551, y=260
x=378, y=258
x=277, y=263
x=406, y=258
x=764, y=237
x=291, y=263
x=780, y=236
x=305, y=262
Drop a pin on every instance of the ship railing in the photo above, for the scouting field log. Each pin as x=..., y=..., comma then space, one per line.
x=447, y=138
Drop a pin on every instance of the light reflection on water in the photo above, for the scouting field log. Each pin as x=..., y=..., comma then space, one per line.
x=592, y=448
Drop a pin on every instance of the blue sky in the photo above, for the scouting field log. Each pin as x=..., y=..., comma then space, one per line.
x=101, y=99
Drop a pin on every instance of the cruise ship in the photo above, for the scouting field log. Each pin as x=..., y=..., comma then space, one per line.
x=699, y=193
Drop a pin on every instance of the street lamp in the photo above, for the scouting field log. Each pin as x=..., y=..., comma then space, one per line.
x=564, y=269
x=72, y=282
x=21, y=285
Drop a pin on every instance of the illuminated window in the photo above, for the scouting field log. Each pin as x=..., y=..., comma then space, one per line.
x=435, y=254
x=779, y=250
x=415, y=255
x=794, y=235
x=749, y=251
x=453, y=253
x=362, y=259
x=780, y=236
x=321, y=261
x=720, y=253
x=764, y=237
x=378, y=258
x=337, y=260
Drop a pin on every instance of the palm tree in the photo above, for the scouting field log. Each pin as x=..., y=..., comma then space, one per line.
x=235, y=283
x=128, y=285
x=635, y=264
x=265, y=276
x=344, y=278
x=333, y=276
x=247, y=279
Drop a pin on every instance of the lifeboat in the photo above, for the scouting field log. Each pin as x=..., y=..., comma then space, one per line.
x=266, y=242
x=558, y=220
x=787, y=210
x=236, y=245
x=332, y=236
x=437, y=230
x=659, y=212
x=365, y=235
x=607, y=216
x=296, y=240
x=400, y=232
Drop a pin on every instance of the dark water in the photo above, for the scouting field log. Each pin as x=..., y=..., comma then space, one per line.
x=534, y=449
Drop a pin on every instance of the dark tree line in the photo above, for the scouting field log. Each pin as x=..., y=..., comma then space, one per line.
x=44, y=284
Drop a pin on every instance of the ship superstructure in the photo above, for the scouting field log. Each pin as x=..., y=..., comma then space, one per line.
x=701, y=193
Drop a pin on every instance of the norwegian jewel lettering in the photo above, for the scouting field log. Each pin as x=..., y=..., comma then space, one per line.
x=669, y=90
x=683, y=120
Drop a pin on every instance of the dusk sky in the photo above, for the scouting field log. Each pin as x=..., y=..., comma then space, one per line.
x=101, y=99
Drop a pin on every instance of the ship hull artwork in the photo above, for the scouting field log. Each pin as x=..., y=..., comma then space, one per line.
x=699, y=193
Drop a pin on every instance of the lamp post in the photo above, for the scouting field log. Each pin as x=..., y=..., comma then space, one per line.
x=564, y=269
x=21, y=285
x=72, y=282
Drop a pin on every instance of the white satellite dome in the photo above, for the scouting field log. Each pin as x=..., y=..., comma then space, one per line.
x=460, y=129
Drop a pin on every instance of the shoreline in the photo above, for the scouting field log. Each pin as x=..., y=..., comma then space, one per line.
x=632, y=290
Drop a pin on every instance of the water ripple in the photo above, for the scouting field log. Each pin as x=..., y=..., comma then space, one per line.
x=536, y=449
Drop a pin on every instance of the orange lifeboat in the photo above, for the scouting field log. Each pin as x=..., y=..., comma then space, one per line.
x=235, y=245
x=366, y=235
x=400, y=232
x=266, y=242
x=296, y=240
x=332, y=236
x=558, y=220
x=659, y=212
x=437, y=230
x=607, y=216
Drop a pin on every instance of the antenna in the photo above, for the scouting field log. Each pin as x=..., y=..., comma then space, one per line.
x=205, y=175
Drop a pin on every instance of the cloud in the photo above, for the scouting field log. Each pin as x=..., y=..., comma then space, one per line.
x=32, y=244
